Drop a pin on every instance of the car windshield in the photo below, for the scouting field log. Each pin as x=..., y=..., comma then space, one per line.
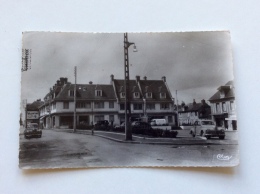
x=207, y=123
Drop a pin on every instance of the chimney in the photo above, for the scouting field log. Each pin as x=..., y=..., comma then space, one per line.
x=58, y=82
x=137, y=78
x=145, y=78
x=62, y=80
x=65, y=80
x=111, y=78
x=194, y=102
x=90, y=82
x=164, y=78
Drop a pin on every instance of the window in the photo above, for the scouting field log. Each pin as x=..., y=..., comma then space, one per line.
x=232, y=105
x=84, y=89
x=65, y=105
x=54, y=105
x=150, y=106
x=149, y=95
x=80, y=105
x=99, y=105
x=138, y=106
x=71, y=93
x=165, y=106
x=111, y=104
x=111, y=118
x=170, y=120
x=122, y=94
x=88, y=104
x=217, y=108
x=224, y=108
x=163, y=95
x=222, y=94
x=122, y=106
x=98, y=92
x=136, y=95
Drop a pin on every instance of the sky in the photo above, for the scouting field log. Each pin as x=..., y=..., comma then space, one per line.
x=194, y=63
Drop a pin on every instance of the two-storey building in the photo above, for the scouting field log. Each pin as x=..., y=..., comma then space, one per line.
x=148, y=98
x=94, y=102
x=223, y=107
x=192, y=112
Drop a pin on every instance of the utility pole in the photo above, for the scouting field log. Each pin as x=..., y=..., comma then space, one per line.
x=25, y=110
x=75, y=89
x=177, y=109
x=128, y=130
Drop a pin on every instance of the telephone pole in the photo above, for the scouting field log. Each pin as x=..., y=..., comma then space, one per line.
x=128, y=130
x=75, y=90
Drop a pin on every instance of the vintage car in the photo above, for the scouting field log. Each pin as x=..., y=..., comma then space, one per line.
x=32, y=130
x=208, y=129
x=101, y=125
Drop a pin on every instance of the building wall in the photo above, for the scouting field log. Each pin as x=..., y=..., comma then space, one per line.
x=230, y=111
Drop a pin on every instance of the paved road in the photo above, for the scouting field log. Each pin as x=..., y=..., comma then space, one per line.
x=68, y=150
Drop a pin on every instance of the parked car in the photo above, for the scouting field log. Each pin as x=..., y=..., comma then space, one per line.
x=101, y=125
x=208, y=129
x=139, y=125
x=32, y=130
x=159, y=122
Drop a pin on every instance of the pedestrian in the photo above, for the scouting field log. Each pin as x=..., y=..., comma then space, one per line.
x=92, y=128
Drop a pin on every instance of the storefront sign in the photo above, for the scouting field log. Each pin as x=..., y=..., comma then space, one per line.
x=32, y=115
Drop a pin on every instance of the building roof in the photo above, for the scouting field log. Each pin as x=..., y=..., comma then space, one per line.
x=87, y=92
x=156, y=87
x=133, y=87
x=35, y=105
x=143, y=86
x=227, y=89
x=195, y=107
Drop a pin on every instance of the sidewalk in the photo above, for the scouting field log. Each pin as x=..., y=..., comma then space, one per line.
x=179, y=140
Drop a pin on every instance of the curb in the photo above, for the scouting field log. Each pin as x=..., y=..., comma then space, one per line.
x=192, y=142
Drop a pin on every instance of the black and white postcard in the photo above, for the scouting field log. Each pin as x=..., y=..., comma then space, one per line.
x=127, y=100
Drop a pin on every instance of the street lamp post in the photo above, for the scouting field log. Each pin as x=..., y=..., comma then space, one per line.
x=128, y=130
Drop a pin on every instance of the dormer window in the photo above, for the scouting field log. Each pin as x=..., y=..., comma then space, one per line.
x=136, y=95
x=222, y=94
x=149, y=95
x=71, y=93
x=163, y=95
x=122, y=94
x=98, y=92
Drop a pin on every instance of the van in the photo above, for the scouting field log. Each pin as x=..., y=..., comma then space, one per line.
x=159, y=122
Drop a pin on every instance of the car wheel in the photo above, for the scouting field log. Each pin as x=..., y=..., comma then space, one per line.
x=222, y=137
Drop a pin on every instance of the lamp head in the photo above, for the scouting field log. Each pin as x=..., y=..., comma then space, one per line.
x=135, y=49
